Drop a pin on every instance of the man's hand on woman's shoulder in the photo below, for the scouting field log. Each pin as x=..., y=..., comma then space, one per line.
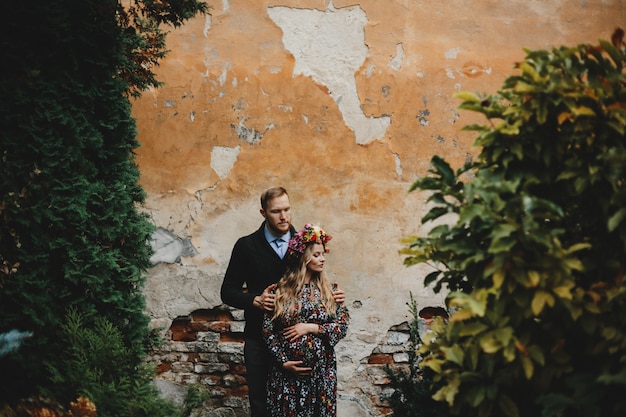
x=265, y=301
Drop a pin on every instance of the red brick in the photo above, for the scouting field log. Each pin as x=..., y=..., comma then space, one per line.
x=385, y=411
x=215, y=379
x=181, y=332
x=231, y=337
x=211, y=315
x=241, y=391
x=164, y=367
x=380, y=359
x=182, y=335
x=238, y=369
x=198, y=326
x=218, y=326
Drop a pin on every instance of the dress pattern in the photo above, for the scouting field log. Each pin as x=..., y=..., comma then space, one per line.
x=314, y=396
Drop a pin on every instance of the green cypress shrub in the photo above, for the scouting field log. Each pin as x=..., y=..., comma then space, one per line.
x=71, y=232
x=97, y=364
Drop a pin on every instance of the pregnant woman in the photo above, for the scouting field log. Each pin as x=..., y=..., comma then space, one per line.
x=302, y=331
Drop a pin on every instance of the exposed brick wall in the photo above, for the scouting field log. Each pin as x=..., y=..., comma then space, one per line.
x=391, y=352
x=206, y=348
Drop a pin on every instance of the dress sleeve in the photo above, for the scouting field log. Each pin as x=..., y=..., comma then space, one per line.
x=272, y=338
x=333, y=331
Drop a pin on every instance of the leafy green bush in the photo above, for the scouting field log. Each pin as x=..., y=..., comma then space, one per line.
x=531, y=241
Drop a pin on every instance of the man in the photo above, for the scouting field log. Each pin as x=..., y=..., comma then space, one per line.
x=255, y=266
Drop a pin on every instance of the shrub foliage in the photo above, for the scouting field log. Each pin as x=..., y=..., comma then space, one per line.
x=71, y=234
x=530, y=240
x=412, y=388
x=98, y=365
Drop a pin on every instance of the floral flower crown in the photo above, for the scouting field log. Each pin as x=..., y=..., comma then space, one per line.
x=309, y=234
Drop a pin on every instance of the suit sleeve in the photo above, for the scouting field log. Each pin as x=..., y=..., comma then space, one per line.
x=232, y=291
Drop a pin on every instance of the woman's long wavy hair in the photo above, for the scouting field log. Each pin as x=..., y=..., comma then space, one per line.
x=291, y=284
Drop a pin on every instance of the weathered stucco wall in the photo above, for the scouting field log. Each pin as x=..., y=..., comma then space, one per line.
x=343, y=103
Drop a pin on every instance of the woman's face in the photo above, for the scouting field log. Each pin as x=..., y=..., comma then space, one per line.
x=316, y=263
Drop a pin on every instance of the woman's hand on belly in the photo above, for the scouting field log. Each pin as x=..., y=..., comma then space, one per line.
x=296, y=368
x=291, y=333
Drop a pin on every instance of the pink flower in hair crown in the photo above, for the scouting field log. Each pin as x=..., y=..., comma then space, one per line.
x=309, y=234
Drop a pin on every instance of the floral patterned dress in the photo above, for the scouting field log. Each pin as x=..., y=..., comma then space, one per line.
x=314, y=396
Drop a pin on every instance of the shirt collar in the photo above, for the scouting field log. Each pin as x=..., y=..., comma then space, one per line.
x=270, y=237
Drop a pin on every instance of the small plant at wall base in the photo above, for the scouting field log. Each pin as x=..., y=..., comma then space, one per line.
x=97, y=365
x=101, y=370
x=413, y=389
x=532, y=246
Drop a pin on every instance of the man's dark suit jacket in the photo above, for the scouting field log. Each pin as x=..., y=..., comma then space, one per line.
x=254, y=263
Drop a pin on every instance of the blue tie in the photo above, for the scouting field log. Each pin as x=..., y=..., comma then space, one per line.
x=280, y=244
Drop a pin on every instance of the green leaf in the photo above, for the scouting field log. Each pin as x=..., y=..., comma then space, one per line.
x=432, y=363
x=495, y=340
x=536, y=353
x=573, y=264
x=453, y=354
x=523, y=88
x=470, y=211
x=472, y=328
x=435, y=213
x=448, y=392
x=508, y=406
x=431, y=277
x=466, y=96
x=534, y=278
x=564, y=291
x=616, y=219
x=583, y=111
x=540, y=300
x=577, y=247
x=528, y=366
x=498, y=278
x=467, y=303
x=504, y=230
x=443, y=169
x=426, y=183
x=614, y=53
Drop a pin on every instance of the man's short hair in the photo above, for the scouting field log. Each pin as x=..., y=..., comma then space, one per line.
x=270, y=194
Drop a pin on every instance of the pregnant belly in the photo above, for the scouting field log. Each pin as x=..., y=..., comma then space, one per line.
x=306, y=349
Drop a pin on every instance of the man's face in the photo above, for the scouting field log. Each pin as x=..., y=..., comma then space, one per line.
x=278, y=215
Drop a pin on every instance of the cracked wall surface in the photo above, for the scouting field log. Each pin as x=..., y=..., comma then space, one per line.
x=344, y=103
x=329, y=47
